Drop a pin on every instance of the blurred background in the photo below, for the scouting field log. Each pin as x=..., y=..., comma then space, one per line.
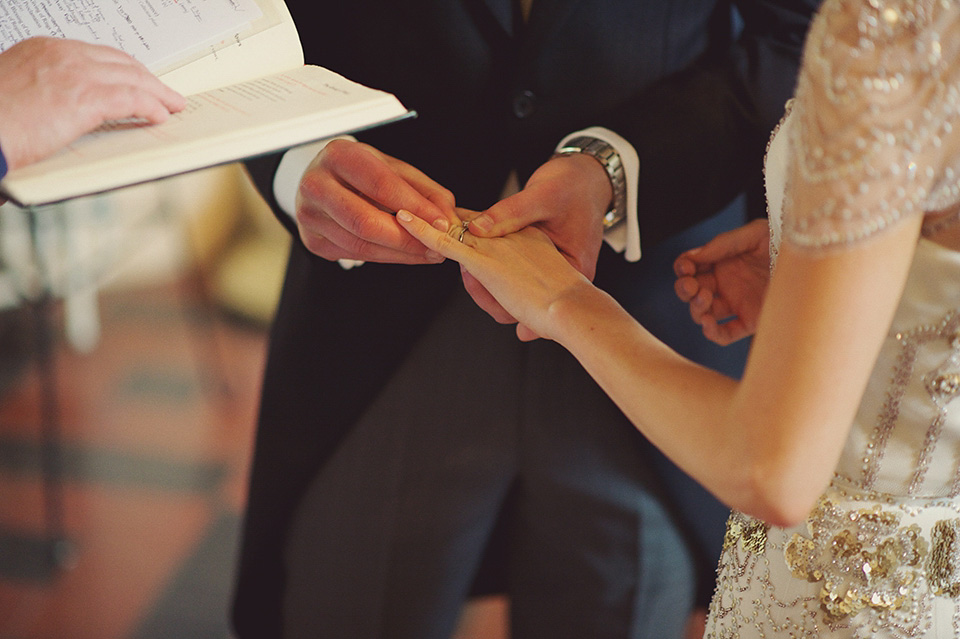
x=132, y=341
x=133, y=334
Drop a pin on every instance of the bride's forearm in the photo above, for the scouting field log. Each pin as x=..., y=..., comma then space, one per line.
x=677, y=403
x=686, y=410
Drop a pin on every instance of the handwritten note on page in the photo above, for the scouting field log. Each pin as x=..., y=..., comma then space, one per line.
x=155, y=32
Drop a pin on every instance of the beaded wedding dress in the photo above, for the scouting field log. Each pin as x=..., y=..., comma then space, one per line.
x=875, y=129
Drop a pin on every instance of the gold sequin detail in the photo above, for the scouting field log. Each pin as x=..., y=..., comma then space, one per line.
x=752, y=533
x=872, y=562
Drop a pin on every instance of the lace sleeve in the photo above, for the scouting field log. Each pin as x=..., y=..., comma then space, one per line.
x=876, y=136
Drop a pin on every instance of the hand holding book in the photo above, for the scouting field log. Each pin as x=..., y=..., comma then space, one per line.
x=54, y=90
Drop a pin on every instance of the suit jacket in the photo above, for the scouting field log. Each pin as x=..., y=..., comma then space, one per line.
x=696, y=86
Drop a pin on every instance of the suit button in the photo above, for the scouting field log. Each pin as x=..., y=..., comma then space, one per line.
x=524, y=104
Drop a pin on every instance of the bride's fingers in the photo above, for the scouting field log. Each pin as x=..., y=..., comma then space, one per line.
x=447, y=244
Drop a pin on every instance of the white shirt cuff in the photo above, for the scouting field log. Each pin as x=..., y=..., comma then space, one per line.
x=286, y=181
x=623, y=238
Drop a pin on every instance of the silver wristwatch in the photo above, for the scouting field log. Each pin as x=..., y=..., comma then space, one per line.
x=609, y=159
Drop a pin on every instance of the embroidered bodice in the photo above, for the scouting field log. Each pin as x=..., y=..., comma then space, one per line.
x=871, y=139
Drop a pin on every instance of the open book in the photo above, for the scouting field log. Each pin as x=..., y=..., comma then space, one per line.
x=240, y=64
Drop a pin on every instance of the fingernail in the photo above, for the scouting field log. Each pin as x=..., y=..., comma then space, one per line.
x=441, y=225
x=483, y=224
x=406, y=216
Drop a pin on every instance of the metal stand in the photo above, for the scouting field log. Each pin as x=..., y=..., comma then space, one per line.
x=59, y=550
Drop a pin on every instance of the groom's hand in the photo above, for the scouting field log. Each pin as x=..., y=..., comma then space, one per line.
x=347, y=199
x=566, y=198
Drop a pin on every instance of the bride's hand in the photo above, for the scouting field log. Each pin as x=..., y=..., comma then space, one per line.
x=524, y=271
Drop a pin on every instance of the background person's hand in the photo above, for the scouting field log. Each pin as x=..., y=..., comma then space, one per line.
x=347, y=199
x=725, y=280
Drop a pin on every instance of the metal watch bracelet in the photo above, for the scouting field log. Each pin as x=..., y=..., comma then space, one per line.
x=609, y=159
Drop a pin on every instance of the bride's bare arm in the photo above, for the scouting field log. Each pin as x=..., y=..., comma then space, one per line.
x=766, y=445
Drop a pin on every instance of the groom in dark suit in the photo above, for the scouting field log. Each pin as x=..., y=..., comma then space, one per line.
x=399, y=423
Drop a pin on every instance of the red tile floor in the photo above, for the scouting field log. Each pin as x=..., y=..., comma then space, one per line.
x=155, y=432
x=155, y=435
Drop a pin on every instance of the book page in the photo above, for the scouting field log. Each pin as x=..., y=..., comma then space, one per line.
x=269, y=45
x=307, y=90
x=158, y=33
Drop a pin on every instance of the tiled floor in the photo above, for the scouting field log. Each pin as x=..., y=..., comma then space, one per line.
x=156, y=426
x=155, y=432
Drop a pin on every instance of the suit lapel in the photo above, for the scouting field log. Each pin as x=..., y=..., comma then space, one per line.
x=498, y=19
x=498, y=12
x=546, y=17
